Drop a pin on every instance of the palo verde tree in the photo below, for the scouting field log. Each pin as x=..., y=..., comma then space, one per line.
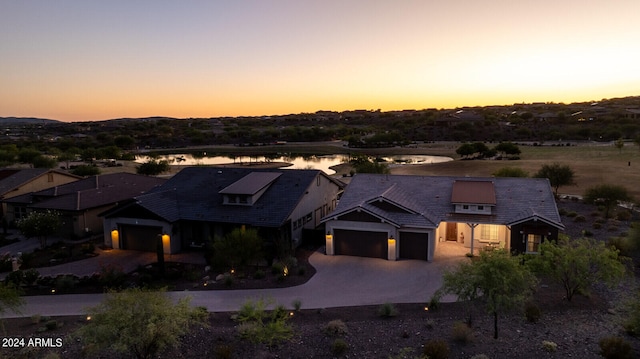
x=578, y=264
x=607, y=195
x=139, y=322
x=238, y=248
x=40, y=225
x=507, y=148
x=153, y=167
x=495, y=278
x=558, y=175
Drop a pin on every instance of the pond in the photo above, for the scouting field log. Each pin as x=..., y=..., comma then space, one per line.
x=323, y=162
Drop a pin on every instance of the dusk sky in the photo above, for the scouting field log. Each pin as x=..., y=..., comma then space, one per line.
x=95, y=60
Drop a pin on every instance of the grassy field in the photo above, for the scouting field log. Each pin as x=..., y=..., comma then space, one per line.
x=592, y=164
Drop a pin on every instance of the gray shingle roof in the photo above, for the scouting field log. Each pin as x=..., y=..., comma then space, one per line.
x=194, y=194
x=517, y=199
x=13, y=178
x=91, y=192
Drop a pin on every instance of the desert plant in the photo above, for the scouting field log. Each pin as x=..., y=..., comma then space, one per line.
x=532, y=312
x=51, y=324
x=228, y=280
x=615, y=348
x=631, y=321
x=461, y=332
x=259, y=274
x=579, y=219
x=223, y=351
x=549, y=346
x=66, y=283
x=387, y=310
x=336, y=327
x=35, y=319
x=30, y=276
x=436, y=349
x=297, y=304
x=339, y=347
x=111, y=276
x=262, y=327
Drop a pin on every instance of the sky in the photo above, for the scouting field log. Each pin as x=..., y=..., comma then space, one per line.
x=91, y=60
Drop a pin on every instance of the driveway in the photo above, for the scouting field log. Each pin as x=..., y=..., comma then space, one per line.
x=339, y=281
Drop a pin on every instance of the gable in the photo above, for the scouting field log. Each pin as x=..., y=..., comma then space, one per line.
x=388, y=206
x=359, y=216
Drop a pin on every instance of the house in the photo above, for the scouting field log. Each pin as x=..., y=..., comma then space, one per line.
x=18, y=181
x=201, y=203
x=395, y=217
x=80, y=202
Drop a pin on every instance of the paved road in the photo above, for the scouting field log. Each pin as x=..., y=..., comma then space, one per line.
x=339, y=281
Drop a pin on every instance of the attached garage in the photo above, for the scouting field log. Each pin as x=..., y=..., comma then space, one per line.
x=414, y=245
x=360, y=243
x=140, y=238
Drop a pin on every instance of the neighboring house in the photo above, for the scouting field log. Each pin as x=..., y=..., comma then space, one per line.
x=80, y=202
x=392, y=217
x=15, y=182
x=200, y=203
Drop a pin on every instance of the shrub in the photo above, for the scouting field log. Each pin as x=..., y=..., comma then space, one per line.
x=434, y=303
x=623, y=215
x=562, y=212
x=336, y=327
x=31, y=276
x=339, y=347
x=532, y=313
x=549, y=346
x=262, y=327
x=430, y=324
x=461, y=332
x=228, y=280
x=51, y=324
x=387, y=310
x=622, y=244
x=88, y=248
x=596, y=225
x=615, y=348
x=297, y=304
x=16, y=278
x=66, y=282
x=277, y=268
x=111, y=276
x=572, y=214
x=259, y=274
x=35, y=319
x=436, y=349
x=631, y=323
x=579, y=219
x=587, y=233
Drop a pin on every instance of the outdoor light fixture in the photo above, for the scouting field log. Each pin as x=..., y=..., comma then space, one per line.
x=391, y=244
x=328, y=243
x=115, y=239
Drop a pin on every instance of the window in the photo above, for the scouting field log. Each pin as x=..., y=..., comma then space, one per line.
x=49, y=177
x=533, y=243
x=308, y=217
x=489, y=232
x=243, y=199
x=480, y=208
x=232, y=199
x=465, y=206
x=318, y=181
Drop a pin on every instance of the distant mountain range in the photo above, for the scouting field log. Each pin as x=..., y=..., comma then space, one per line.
x=26, y=120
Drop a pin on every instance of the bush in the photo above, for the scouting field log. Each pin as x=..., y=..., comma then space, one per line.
x=562, y=212
x=277, y=268
x=461, y=332
x=387, y=310
x=339, y=347
x=615, y=348
x=16, y=278
x=51, y=324
x=66, y=283
x=549, y=346
x=572, y=214
x=579, y=219
x=336, y=327
x=297, y=304
x=622, y=215
x=35, y=319
x=258, y=326
x=88, y=248
x=532, y=313
x=622, y=244
x=596, y=225
x=30, y=276
x=631, y=323
x=436, y=349
x=111, y=276
x=228, y=280
x=259, y=274
x=434, y=303
x=223, y=351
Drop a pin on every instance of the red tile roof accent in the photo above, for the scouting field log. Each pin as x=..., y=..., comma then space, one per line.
x=479, y=192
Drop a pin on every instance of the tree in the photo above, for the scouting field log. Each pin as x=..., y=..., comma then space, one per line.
x=468, y=149
x=496, y=277
x=86, y=170
x=508, y=148
x=607, y=195
x=9, y=299
x=138, y=321
x=40, y=224
x=238, y=248
x=578, y=264
x=44, y=162
x=510, y=172
x=619, y=143
x=558, y=175
x=153, y=167
x=362, y=164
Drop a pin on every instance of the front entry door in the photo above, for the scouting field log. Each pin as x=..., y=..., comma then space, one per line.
x=452, y=231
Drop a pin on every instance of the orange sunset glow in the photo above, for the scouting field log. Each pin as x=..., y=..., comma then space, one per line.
x=80, y=61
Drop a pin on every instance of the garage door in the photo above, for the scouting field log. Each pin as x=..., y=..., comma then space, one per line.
x=140, y=238
x=360, y=243
x=414, y=245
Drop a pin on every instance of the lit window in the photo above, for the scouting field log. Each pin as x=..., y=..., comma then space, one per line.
x=533, y=243
x=489, y=232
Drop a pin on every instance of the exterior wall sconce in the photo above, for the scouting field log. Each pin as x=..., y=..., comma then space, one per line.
x=115, y=239
x=328, y=239
x=166, y=243
x=391, y=244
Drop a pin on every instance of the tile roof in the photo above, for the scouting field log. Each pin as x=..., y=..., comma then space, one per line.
x=91, y=192
x=477, y=192
x=516, y=199
x=251, y=183
x=11, y=178
x=195, y=194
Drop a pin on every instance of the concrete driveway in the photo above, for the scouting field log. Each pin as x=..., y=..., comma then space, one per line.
x=339, y=281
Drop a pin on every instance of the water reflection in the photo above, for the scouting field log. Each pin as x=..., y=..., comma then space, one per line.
x=298, y=161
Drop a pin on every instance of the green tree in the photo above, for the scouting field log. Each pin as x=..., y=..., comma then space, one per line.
x=508, y=148
x=619, y=143
x=139, y=322
x=27, y=154
x=496, y=277
x=40, y=224
x=607, y=195
x=238, y=248
x=578, y=264
x=66, y=157
x=558, y=175
x=153, y=167
x=510, y=172
x=86, y=170
x=363, y=164
x=9, y=299
x=44, y=162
